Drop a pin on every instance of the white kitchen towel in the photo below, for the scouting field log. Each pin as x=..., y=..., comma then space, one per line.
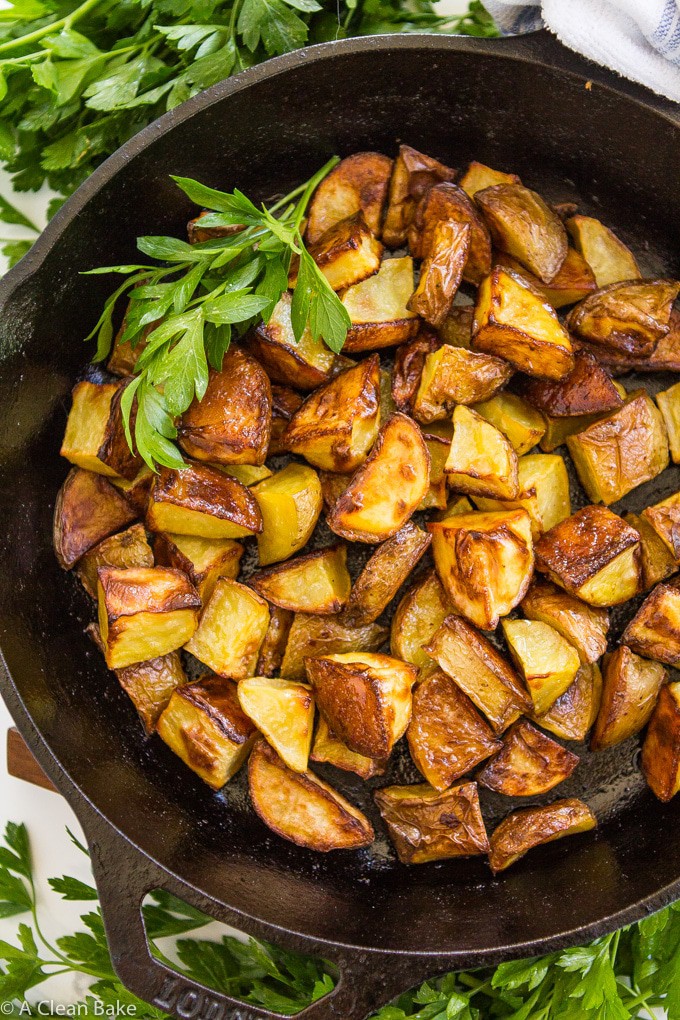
x=638, y=38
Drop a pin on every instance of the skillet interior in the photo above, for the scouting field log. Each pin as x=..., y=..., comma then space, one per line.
x=452, y=100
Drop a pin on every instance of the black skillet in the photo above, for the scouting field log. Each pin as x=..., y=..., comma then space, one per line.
x=568, y=128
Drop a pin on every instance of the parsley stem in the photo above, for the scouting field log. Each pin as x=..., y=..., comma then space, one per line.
x=54, y=26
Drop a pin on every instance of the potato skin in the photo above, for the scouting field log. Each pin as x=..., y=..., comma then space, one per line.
x=631, y=686
x=420, y=613
x=575, y=711
x=453, y=375
x=664, y=518
x=584, y=626
x=331, y=751
x=88, y=509
x=206, y=491
x=441, y=271
x=523, y=225
x=384, y=573
x=150, y=685
x=657, y=562
x=661, y=748
x=412, y=175
x=654, y=631
x=274, y=644
x=358, y=183
x=528, y=764
x=126, y=549
x=573, y=282
x=523, y=830
x=409, y=360
x=629, y=317
x=429, y=826
x=447, y=201
x=131, y=590
x=587, y=389
x=325, y=635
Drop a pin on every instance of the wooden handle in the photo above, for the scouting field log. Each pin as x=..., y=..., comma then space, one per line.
x=22, y=765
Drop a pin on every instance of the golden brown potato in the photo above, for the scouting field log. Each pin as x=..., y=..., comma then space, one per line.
x=358, y=183
x=387, y=404
x=126, y=549
x=386, y=490
x=620, y=452
x=273, y=646
x=94, y=438
x=441, y=271
x=378, y=308
x=231, y=630
x=485, y=562
x=664, y=358
x=201, y=501
x=338, y=423
x=317, y=582
x=446, y=736
x=203, y=560
x=654, y=631
x=426, y=825
x=328, y=749
x=481, y=460
x=630, y=317
x=661, y=748
x=420, y=613
x=438, y=492
x=575, y=711
x=521, y=224
x=231, y=424
x=285, y=402
x=657, y=561
x=479, y=176
x=452, y=375
x=384, y=573
x=608, y=257
x=594, y=555
x=458, y=505
x=669, y=404
x=332, y=487
x=88, y=509
x=364, y=697
x=583, y=626
x=144, y=612
x=558, y=430
x=523, y=830
x=573, y=282
x=528, y=764
x=587, y=389
x=630, y=688
x=480, y=671
x=290, y=503
x=409, y=360
x=516, y=419
x=412, y=175
x=346, y=253
x=325, y=635
x=514, y=323
x=137, y=489
x=664, y=517
x=205, y=725
x=456, y=329
x=284, y=713
x=301, y=808
x=543, y=492
x=446, y=201
x=546, y=660
x=150, y=685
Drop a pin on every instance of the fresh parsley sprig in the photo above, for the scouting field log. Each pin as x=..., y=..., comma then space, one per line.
x=187, y=309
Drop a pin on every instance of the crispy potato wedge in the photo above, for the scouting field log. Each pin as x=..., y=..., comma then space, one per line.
x=378, y=308
x=661, y=748
x=481, y=460
x=317, y=582
x=420, y=613
x=94, y=438
x=617, y=453
x=426, y=825
x=290, y=503
x=484, y=561
x=325, y=635
x=338, y=423
x=480, y=671
x=332, y=486
x=575, y=711
x=203, y=560
x=202, y=501
x=584, y=627
x=364, y=697
x=358, y=183
x=558, y=430
x=543, y=492
x=231, y=424
x=384, y=573
x=630, y=317
x=150, y=685
x=412, y=175
x=594, y=555
x=587, y=389
x=87, y=510
x=283, y=712
x=664, y=358
x=524, y=226
x=285, y=402
x=206, y=727
x=231, y=630
x=456, y=329
x=126, y=549
x=515, y=418
x=452, y=375
x=438, y=493
x=512, y=322
x=409, y=361
x=444, y=202
x=346, y=253
x=534, y=826
x=546, y=660
x=387, y=404
x=136, y=490
x=654, y=631
x=441, y=271
x=331, y=751
x=273, y=647
x=528, y=764
x=573, y=281
x=447, y=736
x=664, y=517
x=630, y=688
x=385, y=491
x=479, y=176
x=608, y=257
x=301, y=808
x=144, y=612
x=657, y=561
x=668, y=402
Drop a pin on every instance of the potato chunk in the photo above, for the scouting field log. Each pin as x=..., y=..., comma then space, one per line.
x=438, y=492
x=456, y=329
x=290, y=504
x=202, y=501
x=575, y=711
x=378, y=307
x=384, y=573
x=587, y=389
x=630, y=317
x=528, y=764
x=420, y=613
x=409, y=361
x=669, y=404
x=481, y=460
x=87, y=510
x=524, y=226
x=301, y=808
x=338, y=423
x=447, y=736
x=231, y=630
x=631, y=686
x=608, y=257
x=661, y=747
x=385, y=491
x=325, y=635
x=441, y=271
x=447, y=202
x=583, y=626
x=203, y=560
x=657, y=561
x=317, y=582
x=412, y=175
x=144, y=612
x=654, y=631
x=364, y=697
x=664, y=517
x=358, y=183
x=515, y=418
x=150, y=685
x=479, y=176
x=547, y=661
x=273, y=646
x=594, y=555
x=426, y=825
x=617, y=453
x=285, y=402
x=452, y=375
x=484, y=561
x=231, y=424
x=346, y=253
x=205, y=725
x=126, y=549
x=94, y=438
x=543, y=492
x=523, y=830
x=514, y=323
x=573, y=282
x=284, y=713
x=331, y=751
x=137, y=489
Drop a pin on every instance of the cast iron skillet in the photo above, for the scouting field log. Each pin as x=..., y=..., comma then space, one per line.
x=523, y=104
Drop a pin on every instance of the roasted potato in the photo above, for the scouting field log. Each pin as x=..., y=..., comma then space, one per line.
x=301, y=808
x=575, y=711
x=516, y=419
x=546, y=660
x=364, y=697
x=409, y=361
x=317, y=582
x=447, y=736
x=420, y=613
x=557, y=430
x=144, y=612
x=441, y=271
x=325, y=635
x=512, y=322
x=346, y=253
x=378, y=308
x=126, y=549
x=231, y=423
x=283, y=712
x=384, y=573
x=583, y=626
x=481, y=460
x=661, y=748
x=201, y=501
x=664, y=517
x=246, y=474
x=456, y=329
x=458, y=505
x=203, y=560
x=137, y=489
x=484, y=561
x=657, y=561
x=338, y=423
x=437, y=494
x=608, y=257
x=654, y=631
x=232, y=628
x=290, y=503
x=273, y=646
x=332, y=487
x=387, y=404
x=386, y=490
x=412, y=175
x=594, y=555
x=543, y=492
x=426, y=825
x=358, y=183
x=630, y=317
x=150, y=685
x=664, y=358
x=87, y=510
x=452, y=375
x=534, y=826
x=205, y=725
x=587, y=389
x=445, y=202
x=528, y=764
x=331, y=751
x=630, y=688
x=94, y=438
x=573, y=282
x=479, y=176
x=668, y=402
x=480, y=671
x=524, y=226
x=285, y=402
